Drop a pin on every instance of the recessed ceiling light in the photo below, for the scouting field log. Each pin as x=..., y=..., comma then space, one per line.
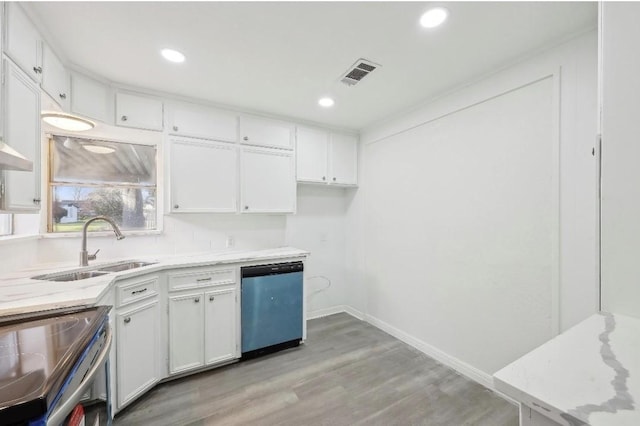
x=68, y=122
x=434, y=17
x=326, y=102
x=172, y=55
x=98, y=149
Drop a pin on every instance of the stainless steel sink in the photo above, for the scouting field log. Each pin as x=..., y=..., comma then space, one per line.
x=125, y=266
x=70, y=276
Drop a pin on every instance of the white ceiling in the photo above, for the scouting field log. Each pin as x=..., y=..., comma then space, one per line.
x=280, y=57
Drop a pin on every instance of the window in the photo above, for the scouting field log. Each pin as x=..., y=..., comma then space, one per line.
x=6, y=224
x=90, y=177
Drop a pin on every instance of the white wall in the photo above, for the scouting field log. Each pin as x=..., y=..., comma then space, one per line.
x=464, y=296
x=620, y=154
x=319, y=227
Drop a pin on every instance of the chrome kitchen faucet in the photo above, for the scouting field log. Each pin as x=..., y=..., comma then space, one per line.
x=85, y=257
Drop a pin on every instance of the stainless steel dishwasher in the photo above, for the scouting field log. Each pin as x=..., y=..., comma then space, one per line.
x=271, y=308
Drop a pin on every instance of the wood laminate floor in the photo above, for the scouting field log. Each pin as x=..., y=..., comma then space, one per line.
x=347, y=373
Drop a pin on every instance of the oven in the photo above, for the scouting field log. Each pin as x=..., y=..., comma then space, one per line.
x=48, y=362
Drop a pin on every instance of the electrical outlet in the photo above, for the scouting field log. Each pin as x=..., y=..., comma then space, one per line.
x=230, y=241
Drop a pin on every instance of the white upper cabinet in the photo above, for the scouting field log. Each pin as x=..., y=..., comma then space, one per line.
x=90, y=98
x=55, y=78
x=264, y=132
x=138, y=111
x=324, y=157
x=312, y=155
x=343, y=160
x=203, y=176
x=21, y=109
x=201, y=122
x=267, y=180
x=23, y=42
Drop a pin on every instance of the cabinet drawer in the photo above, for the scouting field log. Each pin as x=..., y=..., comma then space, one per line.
x=201, y=278
x=131, y=291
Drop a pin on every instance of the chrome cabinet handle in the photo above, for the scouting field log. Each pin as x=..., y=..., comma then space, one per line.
x=36, y=201
x=197, y=300
x=37, y=70
x=175, y=128
x=334, y=179
x=246, y=207
x=127, y=320
x=139, y=291
x=63, y=95
x=124, y=118
x=176, y=206
x=246, y=138
x=200, y=280
x=211, y=298
x=324, y=178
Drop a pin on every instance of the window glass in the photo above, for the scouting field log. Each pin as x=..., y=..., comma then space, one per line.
x=97, y=178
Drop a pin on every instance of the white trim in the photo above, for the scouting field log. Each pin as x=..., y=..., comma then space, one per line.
x=556, y=243
x=320, y=313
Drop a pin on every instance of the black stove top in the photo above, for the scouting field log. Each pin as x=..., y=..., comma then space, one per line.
x=36, y=356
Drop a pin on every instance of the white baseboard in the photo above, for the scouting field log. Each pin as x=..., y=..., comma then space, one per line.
x=319, y=313
x=461, y=367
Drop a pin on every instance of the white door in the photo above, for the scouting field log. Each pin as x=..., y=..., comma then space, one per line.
x=23, y=42
x=220, y=325
x=55, y=78
x=203, y=176
x=22, y=133
x=137, y=351
x=344, y=160
x=186, y=333
x=263, y=132
x=140, y=112
x=200, y=122
x=267, y=181
x=311, y=155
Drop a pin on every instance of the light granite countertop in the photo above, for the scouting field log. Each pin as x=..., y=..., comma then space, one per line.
x=19, y=293
x=588, y=375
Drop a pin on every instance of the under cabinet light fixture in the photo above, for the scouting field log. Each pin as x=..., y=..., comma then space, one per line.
x=98, y=149
x=67, y=122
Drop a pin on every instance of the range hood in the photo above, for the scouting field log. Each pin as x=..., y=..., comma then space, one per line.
x=10, y=159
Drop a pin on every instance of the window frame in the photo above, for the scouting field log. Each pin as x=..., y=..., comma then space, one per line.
x=47, y=220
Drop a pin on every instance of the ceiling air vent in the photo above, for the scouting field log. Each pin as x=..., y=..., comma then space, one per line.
x=359, y=70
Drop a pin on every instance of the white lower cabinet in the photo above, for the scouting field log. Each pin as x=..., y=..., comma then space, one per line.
x=220, y=325
x=186, y=332
x=137, y=350
x=203, y=317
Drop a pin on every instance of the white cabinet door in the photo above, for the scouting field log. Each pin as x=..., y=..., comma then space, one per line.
x=137, y=351
x=22, y=133
x=311, y=155
x=55, y=78
x=23, y=42
x=267, y=181
x=90, y=98
x=263, y=132
x=140, y=112
x=343, y=160
x=203, y=176
x=186, y=332
x=220, y=325
x=202, y=122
